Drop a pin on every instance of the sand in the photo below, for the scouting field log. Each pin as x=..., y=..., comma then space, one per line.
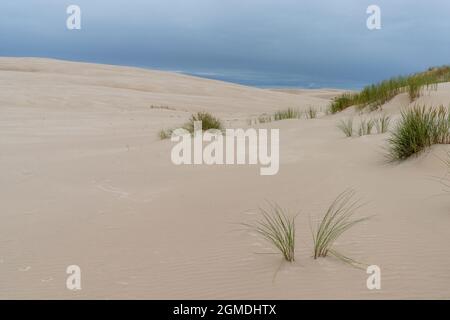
x=85, y=180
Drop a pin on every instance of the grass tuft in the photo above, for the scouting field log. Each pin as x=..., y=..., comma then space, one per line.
x=382, y=124
x=365, y=127
x=289, y=113
x=337, y=220
x=278, y=229
x=208, y=122
x=346, y=126
x=165, y=134
x=264, y=118
x=418, y=129
x=311, y=113
x=207, y=119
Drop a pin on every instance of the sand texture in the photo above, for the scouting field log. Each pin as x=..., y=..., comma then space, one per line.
x=85, y=180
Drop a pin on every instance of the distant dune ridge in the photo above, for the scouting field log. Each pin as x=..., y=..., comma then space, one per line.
x=85, y=180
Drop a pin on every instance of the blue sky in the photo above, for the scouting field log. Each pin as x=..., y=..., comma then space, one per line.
x=261, y=42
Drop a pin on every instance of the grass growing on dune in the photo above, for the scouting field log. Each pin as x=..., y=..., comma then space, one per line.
x=365, y=127
x=289, y=113
x=261, y=119
x=208, y=122
x=382, y=124
x=264, y=118
x=336, y=221
x=418, y=129
x=311, y=113
x=278, y=229
x=165, y=133
x=346, y=126
x=343, y=102
x=374, y=96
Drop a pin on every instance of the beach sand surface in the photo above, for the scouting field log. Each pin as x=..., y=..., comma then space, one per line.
x=86, y=181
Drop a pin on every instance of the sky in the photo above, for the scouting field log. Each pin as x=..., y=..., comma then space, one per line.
x=267, y=43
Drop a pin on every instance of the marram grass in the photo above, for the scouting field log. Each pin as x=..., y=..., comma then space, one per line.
x=261, y=119
x=165, y=134
x=278, y=228
x=337, y=220
x=382, y=124
x=264, y=118
x=208, y=122
x=419, y=128
x=374, y=96
x=311, y=113
x=289, y=113
x=365, y=127
x=346, y=126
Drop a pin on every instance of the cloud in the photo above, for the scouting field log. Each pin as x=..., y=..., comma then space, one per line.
x=323, y=41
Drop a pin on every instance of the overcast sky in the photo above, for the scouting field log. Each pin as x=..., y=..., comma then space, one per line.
x=316, y=41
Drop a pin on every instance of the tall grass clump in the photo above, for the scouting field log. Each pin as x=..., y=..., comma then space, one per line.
x=208, y=122
x=414, y=89
x=382, y=124
x=343, y=101
x=289, y=113
x=346, y=126
x=337, y=220
x=278, y=229
x=418, y=129
x=365, y=127
x=375, y=95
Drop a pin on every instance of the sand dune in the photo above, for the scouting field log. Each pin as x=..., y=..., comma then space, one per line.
x=86, y=181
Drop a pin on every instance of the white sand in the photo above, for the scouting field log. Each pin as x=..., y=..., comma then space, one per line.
x=85, y=180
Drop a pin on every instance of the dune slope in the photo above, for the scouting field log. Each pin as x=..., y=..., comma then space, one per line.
x=85, y=181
